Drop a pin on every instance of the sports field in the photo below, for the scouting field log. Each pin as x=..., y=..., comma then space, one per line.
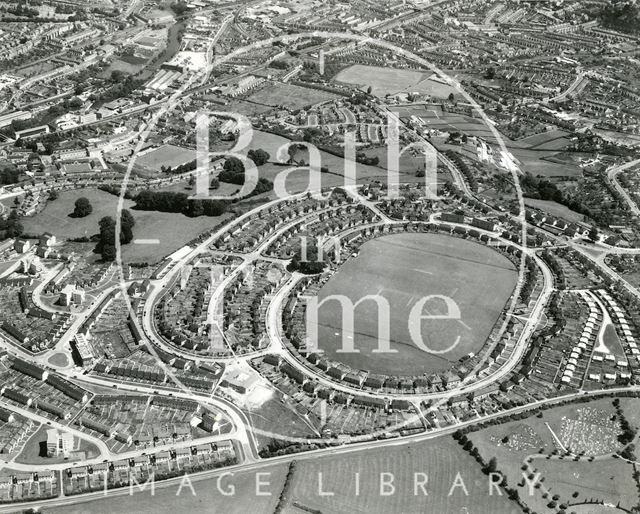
x=402, y=269
x=166, y=155
x=290, y=96
x=392, y=81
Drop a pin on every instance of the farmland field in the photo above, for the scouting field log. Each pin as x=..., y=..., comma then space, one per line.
x=440, y=460
x=393, y=81
x=403, y=269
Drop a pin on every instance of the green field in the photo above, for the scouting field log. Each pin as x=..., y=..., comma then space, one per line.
x=403, y=269
x=392, y=81
x=165, y=155
x=299, y=179
x=172, y=230
x=555, y=209
x=440, y=459
x=290, y=96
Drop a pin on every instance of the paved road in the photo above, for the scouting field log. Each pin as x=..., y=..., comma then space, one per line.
x=612, y=175
x=314, y=454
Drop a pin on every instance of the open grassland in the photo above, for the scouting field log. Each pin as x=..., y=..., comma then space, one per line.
x=289, y=96
x=165, y=155
x=55, y=217
x=298, y=180
x=172, y=230
x=402, y=269
x=555, y=209
x=440, y=460
x=392, y=81
x=608, y=480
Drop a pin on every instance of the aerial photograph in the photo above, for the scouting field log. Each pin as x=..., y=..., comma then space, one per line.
x=320, y=256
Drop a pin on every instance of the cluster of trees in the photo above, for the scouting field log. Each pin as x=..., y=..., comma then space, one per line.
x=82, y=208
x=278, y=65
x=464, y=169
x=621, y=15
x=363, y=158
x=487, y=467
x=9, y=175
x=233, y=172
x=10, y=227
x=628, y=432
x=179, y=8
x=542, y=189
x=309, y=265
x=166, y=201
x=20, y=10
x=182, y=168
x=106, y=245
x=287, y=489
x=529, y=280
x=259, y=156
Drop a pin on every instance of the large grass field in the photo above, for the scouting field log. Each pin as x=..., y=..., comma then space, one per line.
x=290, y=96
x=165, y=155
x=555, y=209
x=402, y=269
x=392, y=81
x=172, y=230
x=440, y=459
x=298, y=180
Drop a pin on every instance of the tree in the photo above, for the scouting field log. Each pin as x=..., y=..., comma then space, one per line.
x=593, y=234
x=82, y=208
x=126, y=227
x=215, y=183
x=452, y=97
x=53, y=195
x=490, y=74
x=107, y=242
x=259, y=156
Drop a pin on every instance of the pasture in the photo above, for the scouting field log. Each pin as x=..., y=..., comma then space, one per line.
x=403, y=269
x=609, y=480
x=555, y=209
x=440, y=460
x=172, y=230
